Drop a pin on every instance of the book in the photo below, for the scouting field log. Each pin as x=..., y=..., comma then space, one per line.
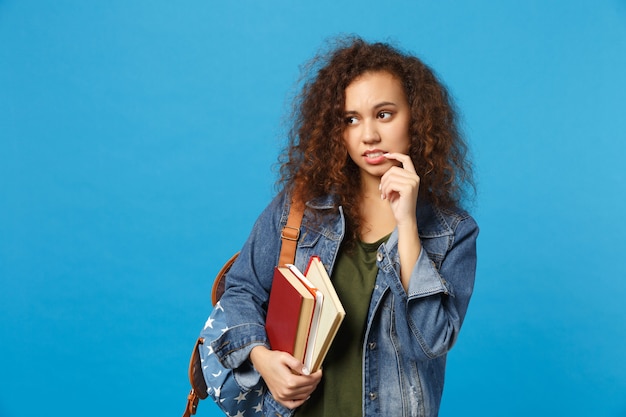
x=304, y=312
x=315, y=319
x=289, y=313
x=331, y=315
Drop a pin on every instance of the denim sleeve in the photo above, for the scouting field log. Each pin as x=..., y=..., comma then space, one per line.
x=233, y=347
x=437, y=298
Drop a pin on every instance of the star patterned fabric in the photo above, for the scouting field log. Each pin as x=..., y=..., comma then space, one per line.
x=222, y=387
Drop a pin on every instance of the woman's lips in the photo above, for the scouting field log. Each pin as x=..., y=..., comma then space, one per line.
x=374, y=157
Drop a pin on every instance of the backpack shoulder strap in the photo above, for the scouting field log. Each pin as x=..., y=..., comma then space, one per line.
x=290, y=233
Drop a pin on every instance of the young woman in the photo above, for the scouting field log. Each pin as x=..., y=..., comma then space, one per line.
x=376, y=159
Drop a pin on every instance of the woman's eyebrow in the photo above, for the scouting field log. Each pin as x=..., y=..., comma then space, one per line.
x=377, y=106
x=384, y=103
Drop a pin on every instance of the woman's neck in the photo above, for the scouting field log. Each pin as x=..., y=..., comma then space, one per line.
x=377, y=218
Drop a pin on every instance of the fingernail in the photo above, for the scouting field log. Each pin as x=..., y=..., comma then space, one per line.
x=305, y=371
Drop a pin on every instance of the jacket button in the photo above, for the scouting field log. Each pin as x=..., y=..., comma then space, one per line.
x=372, y=345
x=373, y=396
x=379, y=256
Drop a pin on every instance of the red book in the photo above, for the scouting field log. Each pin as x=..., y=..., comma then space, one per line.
x=289, y=313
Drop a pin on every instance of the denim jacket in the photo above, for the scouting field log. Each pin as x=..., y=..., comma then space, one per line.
x=408, y=333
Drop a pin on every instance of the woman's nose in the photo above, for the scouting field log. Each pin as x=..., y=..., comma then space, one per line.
x=370, y=132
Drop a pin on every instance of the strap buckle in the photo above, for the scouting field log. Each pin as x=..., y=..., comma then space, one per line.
x=292, y=234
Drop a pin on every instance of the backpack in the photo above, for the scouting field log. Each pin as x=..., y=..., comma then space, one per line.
x=204, y=367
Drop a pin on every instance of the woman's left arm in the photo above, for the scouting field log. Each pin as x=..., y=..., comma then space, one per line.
x=438, y=297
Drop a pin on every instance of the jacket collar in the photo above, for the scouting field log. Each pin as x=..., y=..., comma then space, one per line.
x=323, y=203
x=431, y=221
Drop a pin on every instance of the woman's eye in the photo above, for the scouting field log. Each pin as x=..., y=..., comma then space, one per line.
x=384, y=115
x=351, y=120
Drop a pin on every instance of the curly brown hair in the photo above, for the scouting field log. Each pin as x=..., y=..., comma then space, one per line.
x=316, y=162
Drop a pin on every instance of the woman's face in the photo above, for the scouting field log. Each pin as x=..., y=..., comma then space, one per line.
x=377, y=118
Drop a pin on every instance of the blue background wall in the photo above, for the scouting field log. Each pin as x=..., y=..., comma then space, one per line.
x=136, y=145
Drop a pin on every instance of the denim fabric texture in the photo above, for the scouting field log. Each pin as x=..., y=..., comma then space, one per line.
x=408, y=333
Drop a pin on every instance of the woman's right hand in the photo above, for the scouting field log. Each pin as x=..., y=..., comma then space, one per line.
x=285, y=376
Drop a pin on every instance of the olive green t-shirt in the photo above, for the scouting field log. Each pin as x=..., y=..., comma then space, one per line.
x=340, y=391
